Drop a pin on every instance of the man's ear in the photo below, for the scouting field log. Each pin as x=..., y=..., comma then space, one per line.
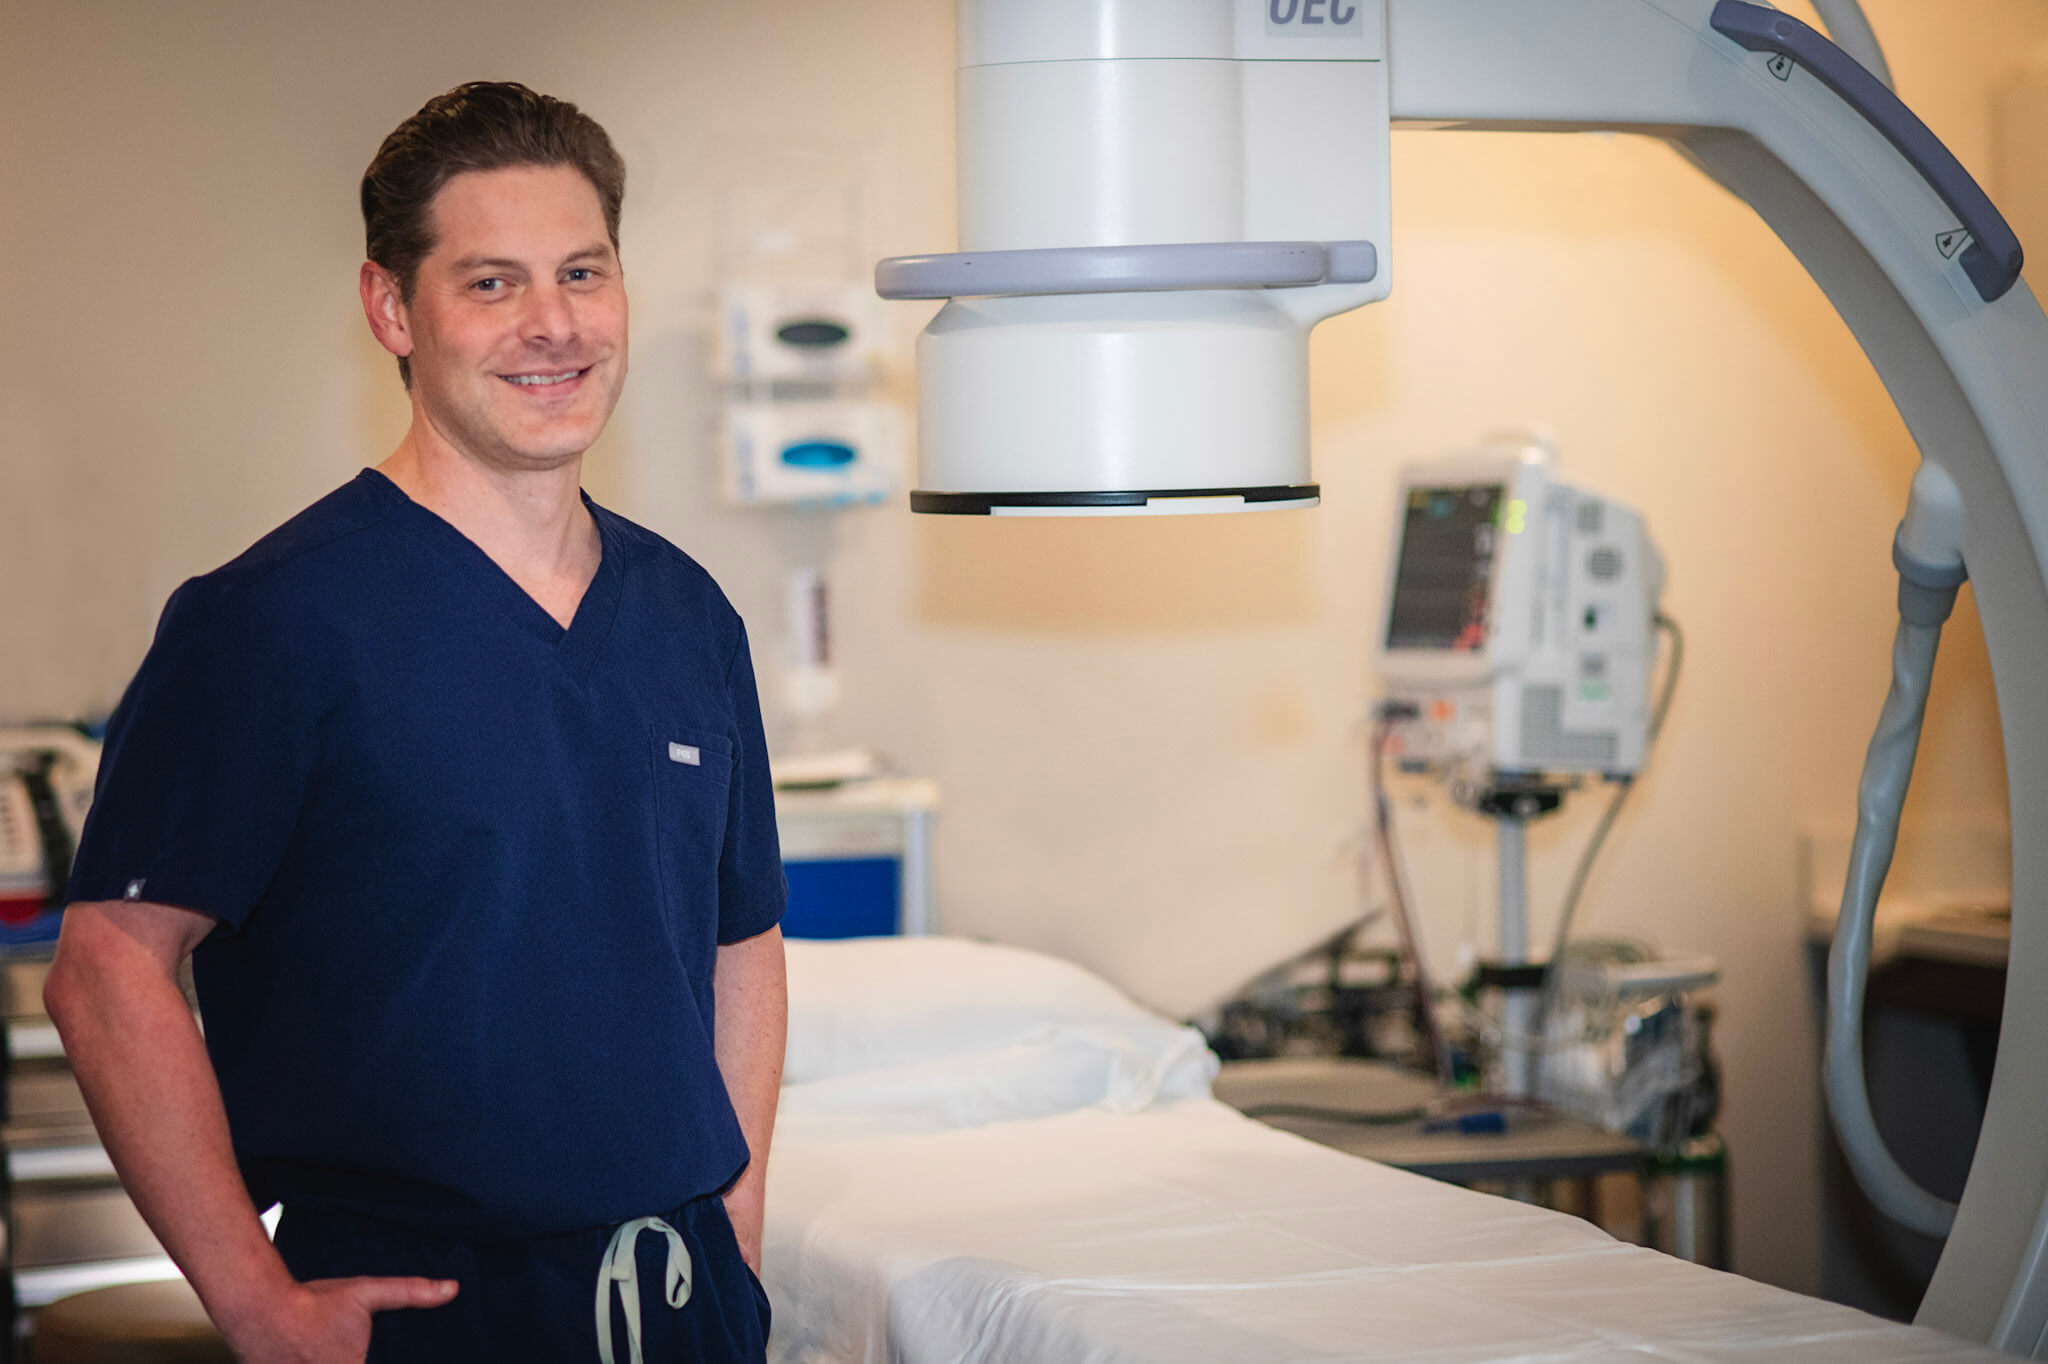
x=385, y=308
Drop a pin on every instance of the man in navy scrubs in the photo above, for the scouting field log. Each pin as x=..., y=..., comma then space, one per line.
x=454, y=790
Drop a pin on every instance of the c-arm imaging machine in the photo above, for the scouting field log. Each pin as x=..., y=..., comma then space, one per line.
x=1159, y=198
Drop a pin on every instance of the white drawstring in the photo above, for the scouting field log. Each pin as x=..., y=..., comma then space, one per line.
x=619, y=1267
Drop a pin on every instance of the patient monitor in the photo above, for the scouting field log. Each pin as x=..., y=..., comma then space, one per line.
x=1516, y=652
x=1159, y=198
x=1519, y=633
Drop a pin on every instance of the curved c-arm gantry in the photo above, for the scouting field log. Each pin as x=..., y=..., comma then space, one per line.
x=1969, y=375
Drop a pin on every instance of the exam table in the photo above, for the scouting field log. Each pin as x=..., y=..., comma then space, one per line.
x=989, y=1155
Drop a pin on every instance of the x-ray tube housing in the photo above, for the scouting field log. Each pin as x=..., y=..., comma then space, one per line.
x=1192, y=127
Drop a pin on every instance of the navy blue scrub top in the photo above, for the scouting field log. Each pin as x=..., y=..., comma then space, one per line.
x=471, y=869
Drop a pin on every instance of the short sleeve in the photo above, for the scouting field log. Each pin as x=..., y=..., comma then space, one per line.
x=751, y=888
x=205, y=764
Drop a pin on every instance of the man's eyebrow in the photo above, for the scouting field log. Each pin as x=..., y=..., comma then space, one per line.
x=492, y=262
x=598, y=252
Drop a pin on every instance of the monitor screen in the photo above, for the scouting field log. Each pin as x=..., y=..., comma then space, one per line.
x=1441, y=579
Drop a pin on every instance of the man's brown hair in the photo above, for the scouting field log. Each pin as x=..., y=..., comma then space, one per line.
x=481, y=126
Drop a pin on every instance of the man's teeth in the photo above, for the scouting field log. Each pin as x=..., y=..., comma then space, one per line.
x=534, y=379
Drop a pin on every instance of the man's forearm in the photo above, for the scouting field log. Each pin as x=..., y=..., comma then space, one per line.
x=753, y=1016
x=143, y=1067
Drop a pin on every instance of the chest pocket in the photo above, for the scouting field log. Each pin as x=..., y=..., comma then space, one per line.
x=692, y=786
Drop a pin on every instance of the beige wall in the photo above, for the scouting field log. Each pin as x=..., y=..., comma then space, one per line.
x=1149, y=732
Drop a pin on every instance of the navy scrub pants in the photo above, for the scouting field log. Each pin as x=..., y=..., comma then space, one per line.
x=535, y=1300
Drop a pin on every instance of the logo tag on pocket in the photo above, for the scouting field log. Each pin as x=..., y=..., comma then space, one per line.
x=687, y=754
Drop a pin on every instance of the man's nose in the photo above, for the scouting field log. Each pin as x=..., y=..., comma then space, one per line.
x=550, y=315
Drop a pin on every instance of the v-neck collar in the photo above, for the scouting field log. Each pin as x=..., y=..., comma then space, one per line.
x=575, y=647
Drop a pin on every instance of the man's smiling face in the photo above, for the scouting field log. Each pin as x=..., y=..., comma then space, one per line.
x=518, y=317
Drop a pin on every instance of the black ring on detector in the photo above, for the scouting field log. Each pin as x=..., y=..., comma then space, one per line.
x=984, y=504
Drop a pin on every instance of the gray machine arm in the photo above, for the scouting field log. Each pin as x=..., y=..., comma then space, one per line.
x=1969, y=375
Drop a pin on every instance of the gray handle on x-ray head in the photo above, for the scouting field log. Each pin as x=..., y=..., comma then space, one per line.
x=1926, y=595
x=1127, y=269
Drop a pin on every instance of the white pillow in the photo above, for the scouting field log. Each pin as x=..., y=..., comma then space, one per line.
x=867, y=1004
x=1058, y=1068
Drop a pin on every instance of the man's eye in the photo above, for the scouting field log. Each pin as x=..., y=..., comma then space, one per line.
x=488, y=286
x=580, y=273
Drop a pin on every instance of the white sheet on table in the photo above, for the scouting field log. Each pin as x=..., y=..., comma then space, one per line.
x=1189, y=1233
